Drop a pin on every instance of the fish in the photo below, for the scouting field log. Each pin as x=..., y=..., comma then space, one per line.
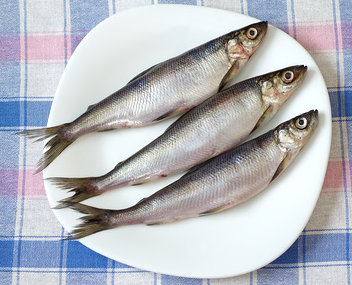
x=165, y=90
x=214, y=126
x=219, y=184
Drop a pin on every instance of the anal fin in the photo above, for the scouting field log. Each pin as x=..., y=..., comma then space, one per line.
x=171, y=113
x=107, y=130
x=136, y=184
x=156, y=223
x=160, y=222
x=215, y=210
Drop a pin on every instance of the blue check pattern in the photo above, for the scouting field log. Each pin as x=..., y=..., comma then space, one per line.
x=37, y=39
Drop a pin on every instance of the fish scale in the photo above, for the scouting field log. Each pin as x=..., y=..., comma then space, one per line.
x=169, y=88
x=214, y=126
x=223, y=182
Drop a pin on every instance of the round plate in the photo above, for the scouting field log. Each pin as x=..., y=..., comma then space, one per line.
x=230, y=243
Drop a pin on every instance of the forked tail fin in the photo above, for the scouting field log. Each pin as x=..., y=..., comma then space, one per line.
x=94, y=221
x=81, y=187
x=56, y=144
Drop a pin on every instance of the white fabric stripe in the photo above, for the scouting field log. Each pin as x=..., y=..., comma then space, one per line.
x=308, y=265
x=37, y=21
x=68, y=27
x=111, y=4
x=290, y=16
x=110, y=272
x=124, y=5
x=75, y=270
x=245, y=7
x=18, y=217
x=157, y=280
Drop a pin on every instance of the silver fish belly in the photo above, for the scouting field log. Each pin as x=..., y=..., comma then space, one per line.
x=223, y=182
x=170, y=88
x=216, y=125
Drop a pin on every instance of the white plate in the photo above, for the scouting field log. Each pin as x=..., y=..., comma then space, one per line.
x=230, y=243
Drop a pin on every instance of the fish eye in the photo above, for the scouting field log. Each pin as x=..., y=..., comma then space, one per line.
x=252, y=33
x=301, y=123
x=288, y=76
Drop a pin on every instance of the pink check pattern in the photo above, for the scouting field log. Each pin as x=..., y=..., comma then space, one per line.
x=37, y=38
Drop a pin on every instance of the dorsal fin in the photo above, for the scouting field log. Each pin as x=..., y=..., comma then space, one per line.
x=90, y=107
x=143, y=199
x=142, y=73
x=178, y=120
x=196, y=167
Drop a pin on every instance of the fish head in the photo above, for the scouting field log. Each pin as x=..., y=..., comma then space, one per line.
x=277, y=87
x=242, y=43
x=293, y=134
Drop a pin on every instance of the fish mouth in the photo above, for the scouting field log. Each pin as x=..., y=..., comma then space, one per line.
x=261, y=27
x=299, y=71
x=314, y=118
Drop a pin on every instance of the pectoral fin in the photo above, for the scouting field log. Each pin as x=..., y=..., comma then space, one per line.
x=284, y=163
x=266, y=115
x=229, y=75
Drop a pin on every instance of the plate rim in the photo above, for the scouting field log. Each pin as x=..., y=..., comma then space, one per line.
x=170, y=6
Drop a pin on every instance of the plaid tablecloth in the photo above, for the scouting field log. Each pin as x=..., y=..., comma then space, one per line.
x=37, y=38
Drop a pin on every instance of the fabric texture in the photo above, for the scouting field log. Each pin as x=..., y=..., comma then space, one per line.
x=37, y=39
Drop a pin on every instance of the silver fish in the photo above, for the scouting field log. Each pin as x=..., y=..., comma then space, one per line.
x=221, y=183
x=216, y=125
x=167, y=89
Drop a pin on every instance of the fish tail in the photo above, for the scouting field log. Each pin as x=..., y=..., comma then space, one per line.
x=82, y=188
x=94, y=221
x=56, y=144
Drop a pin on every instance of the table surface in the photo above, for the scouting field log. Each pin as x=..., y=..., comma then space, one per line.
x=37, y=39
